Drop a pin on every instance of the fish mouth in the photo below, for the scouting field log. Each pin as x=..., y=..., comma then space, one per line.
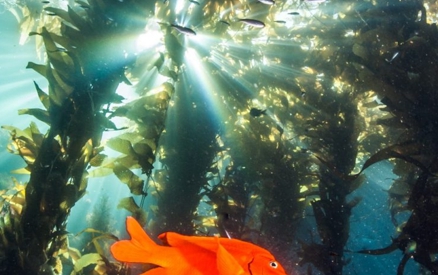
x=249, y=266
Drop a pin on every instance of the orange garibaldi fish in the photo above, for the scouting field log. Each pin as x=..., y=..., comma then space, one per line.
x=190, y=255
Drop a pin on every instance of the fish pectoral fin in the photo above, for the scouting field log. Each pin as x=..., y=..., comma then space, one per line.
x=226, y=263
x=127, y=251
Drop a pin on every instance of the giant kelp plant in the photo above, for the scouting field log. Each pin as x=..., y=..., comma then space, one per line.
x=83, y=72
x=247, y=116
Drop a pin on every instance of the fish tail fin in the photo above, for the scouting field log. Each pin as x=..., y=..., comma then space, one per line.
x=138, y=249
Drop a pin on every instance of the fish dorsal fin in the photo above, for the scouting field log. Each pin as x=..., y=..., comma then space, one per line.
x=177, y=240
x=241, y=250
x=226, y=263
x=228, y=252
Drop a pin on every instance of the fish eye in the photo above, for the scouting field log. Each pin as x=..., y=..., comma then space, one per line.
x=273, y=264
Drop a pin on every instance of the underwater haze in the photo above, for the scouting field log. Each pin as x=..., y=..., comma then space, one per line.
x=306, y=127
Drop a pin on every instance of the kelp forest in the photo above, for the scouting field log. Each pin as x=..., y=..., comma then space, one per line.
x=246, y=118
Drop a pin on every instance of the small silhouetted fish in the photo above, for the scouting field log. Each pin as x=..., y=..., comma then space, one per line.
x=267, y=2
x=194, y=2
x=252, y=22
x=45, y=2
x=294, y=13
x=393, y=57
x=256, y=112
x=224, y=22
x=280, y=129
x=280, y=21
x=183, y=30
x=224, y=215
x=58, y=50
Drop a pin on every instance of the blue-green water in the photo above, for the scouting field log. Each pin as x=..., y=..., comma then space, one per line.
x=251, y=128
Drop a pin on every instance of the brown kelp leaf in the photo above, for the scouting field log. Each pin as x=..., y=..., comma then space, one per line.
x=50, y=45
x=61, y=13
x=361, y=51
x=82, y=4
x=133, y=137
x=17, y=132
x=132, y=110
x=83, y=185
x=72, y=33
x=86, y=152
x=25, y=142
x=78, y=21
x=386, y=250
x=44, y=98
x=168, y=88
x=128, y=161
x=174, y=48
x=144, y=149
x=97, y=246
x=97, y=160
x=63, y=41
x=400, y=188
x=41, y=69
x=403, y=151
x=56, y=93
x=95, y=231
x=372, y=104
x=60, y=59
x=120, y=145
x=129, y=204
x=73, y=253
x=105, y=122
x=86, y=260
x=58, y=266
x=126, y=176
x=37, y=136
x=39, y=114
x=22, y=171
x=63, y=77
x=169, y=73
x=100, y=172
x=116, y=98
